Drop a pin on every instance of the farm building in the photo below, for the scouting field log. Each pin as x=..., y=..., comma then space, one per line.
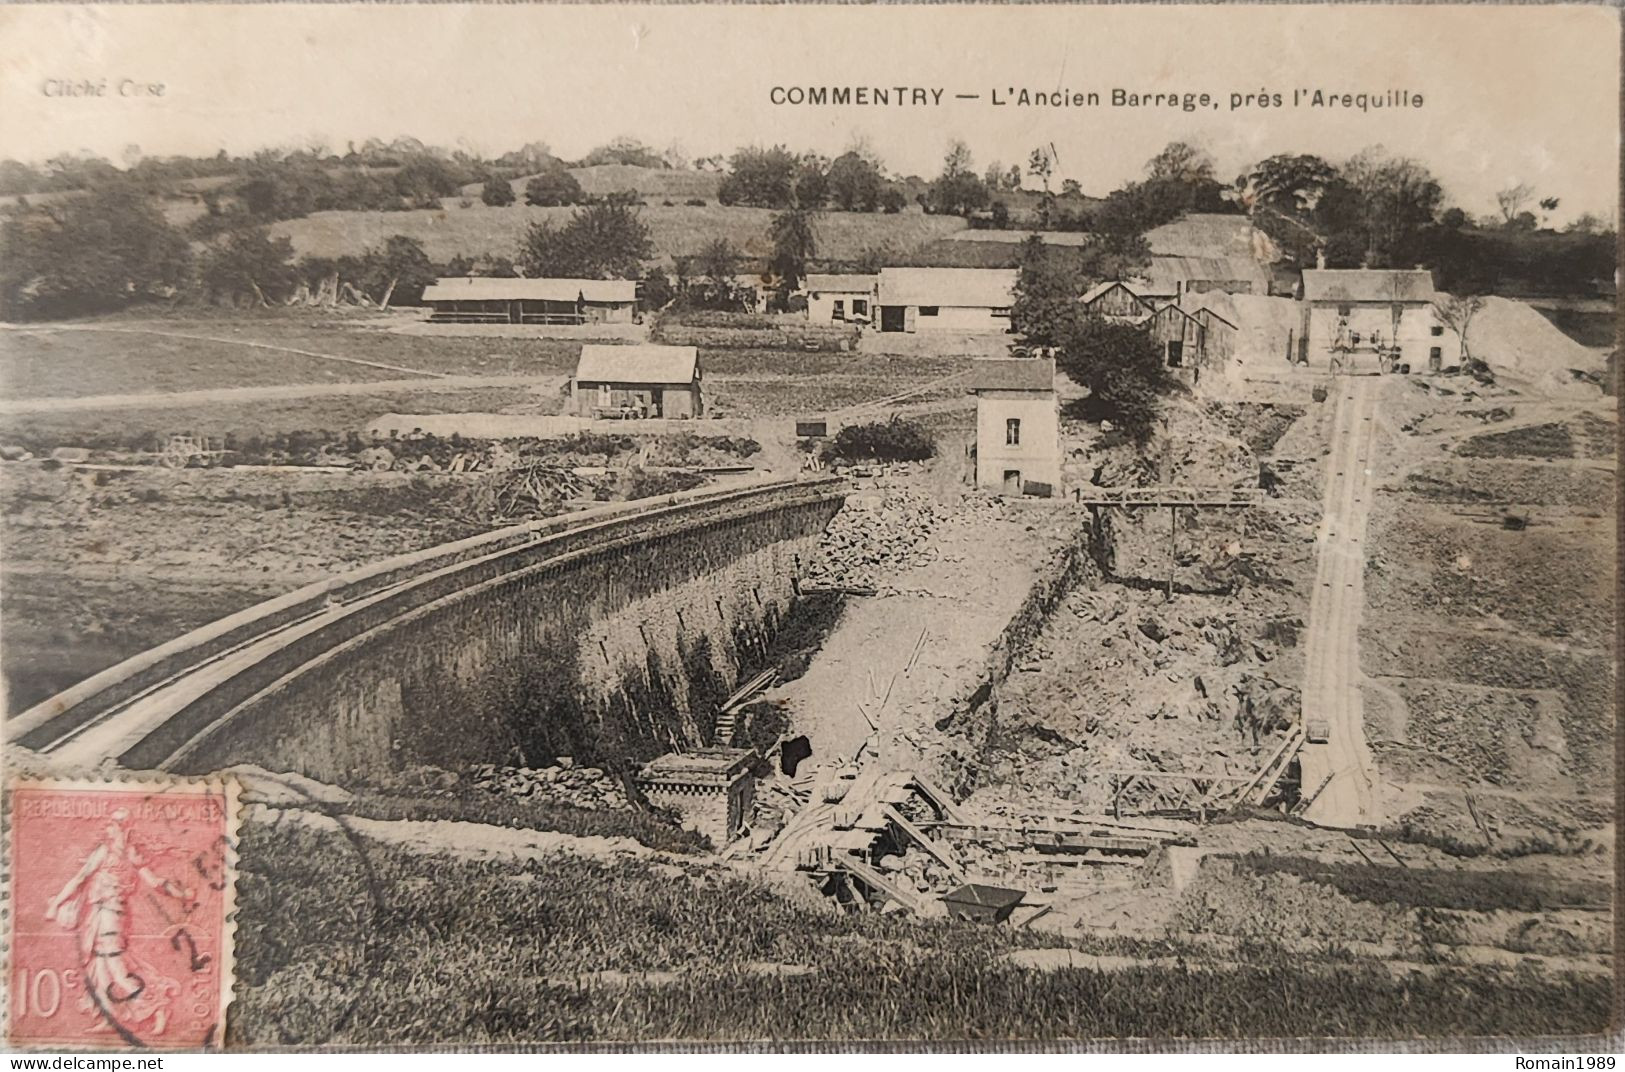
x=1192, y=339
x=1178, y=336
x=1169, y=278
x=840, y=298
x=486, y=300
x=1115, y=300
x=1218, y=338
x=637, y=381
x=945, y=299
x=1018, y=426
x=1370, y=319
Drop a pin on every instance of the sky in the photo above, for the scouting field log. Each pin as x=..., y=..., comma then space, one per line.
x=1510, y=94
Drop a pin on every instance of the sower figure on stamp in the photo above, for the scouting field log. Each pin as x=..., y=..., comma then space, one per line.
x=97, y=900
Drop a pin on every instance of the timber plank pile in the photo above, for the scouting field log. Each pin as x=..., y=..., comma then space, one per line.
x=895, y=841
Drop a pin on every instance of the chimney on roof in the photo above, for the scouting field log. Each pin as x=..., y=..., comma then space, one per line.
x=1320, y=256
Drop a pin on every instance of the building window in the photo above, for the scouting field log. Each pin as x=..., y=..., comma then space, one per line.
x=860, y=307
x=928, y=310
x=1438, y=329
x=1435, y=355
x=1002, y=311
x=838, y=310
x=1345, y=310
x=1012, y=432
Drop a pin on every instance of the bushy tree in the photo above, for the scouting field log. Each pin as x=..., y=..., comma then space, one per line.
x=398, y=269
x=795, y=242
x=424, y=179
x=1122, y=369
x=603, y=241
x=1398, y=200
x=497, y=192
x=656, y=291
x=1041, y=165
x=958, y=191
x=248, y=265
x=102, y=250
x=554, y=187
x=625, y=150
x=717, y=262
x=892, y=201
x=812, y=183
x=855, y=183
x=896, y=440
x=1049, y=283
x=763, y=178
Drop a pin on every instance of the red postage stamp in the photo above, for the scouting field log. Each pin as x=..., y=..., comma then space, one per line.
x=121, y=900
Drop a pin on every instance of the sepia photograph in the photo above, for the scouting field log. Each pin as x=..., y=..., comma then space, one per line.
x=613, y=527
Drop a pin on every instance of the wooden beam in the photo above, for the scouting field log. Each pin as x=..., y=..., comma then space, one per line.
x=924, y=842
x=1296, y=731
x=879, y=882
x=943, y=802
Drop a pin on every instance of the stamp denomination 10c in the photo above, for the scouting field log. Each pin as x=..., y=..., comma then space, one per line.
x=121, y=900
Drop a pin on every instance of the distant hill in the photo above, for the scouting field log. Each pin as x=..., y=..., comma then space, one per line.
x=681, y=230
x=651, y=182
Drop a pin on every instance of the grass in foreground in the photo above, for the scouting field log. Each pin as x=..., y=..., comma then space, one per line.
x=349, y=942
x=1473, y=891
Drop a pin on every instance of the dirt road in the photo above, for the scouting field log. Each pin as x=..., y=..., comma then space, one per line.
x=1340, y=774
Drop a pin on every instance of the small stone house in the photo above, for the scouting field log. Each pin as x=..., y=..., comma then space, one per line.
x=1018, y=426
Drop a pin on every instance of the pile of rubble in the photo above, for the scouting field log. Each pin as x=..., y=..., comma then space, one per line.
x=873, y=537
x=884, y=531
x=561, y=783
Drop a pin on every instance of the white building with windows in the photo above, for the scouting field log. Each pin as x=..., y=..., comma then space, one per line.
x=1370, y=319
x=840, y=299
x=1018, y=426
x=944, y=299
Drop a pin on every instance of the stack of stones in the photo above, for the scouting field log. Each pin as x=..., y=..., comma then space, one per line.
x=873, y=537
x=561, y=783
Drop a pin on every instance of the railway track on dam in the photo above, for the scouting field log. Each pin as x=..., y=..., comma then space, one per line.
x=157, y=709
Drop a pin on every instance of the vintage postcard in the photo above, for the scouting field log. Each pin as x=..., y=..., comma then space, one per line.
x=880, y=525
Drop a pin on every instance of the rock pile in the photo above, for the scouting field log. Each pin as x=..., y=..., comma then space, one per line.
x=561, y=783
x=874, y=536
x=883, y=531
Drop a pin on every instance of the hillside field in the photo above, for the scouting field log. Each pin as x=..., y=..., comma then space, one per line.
x=682, y=230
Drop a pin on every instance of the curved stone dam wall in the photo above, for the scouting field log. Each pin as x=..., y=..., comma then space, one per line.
x=610, y=636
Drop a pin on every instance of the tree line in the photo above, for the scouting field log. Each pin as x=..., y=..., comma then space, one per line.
x=113, y=248
x=108, y=244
